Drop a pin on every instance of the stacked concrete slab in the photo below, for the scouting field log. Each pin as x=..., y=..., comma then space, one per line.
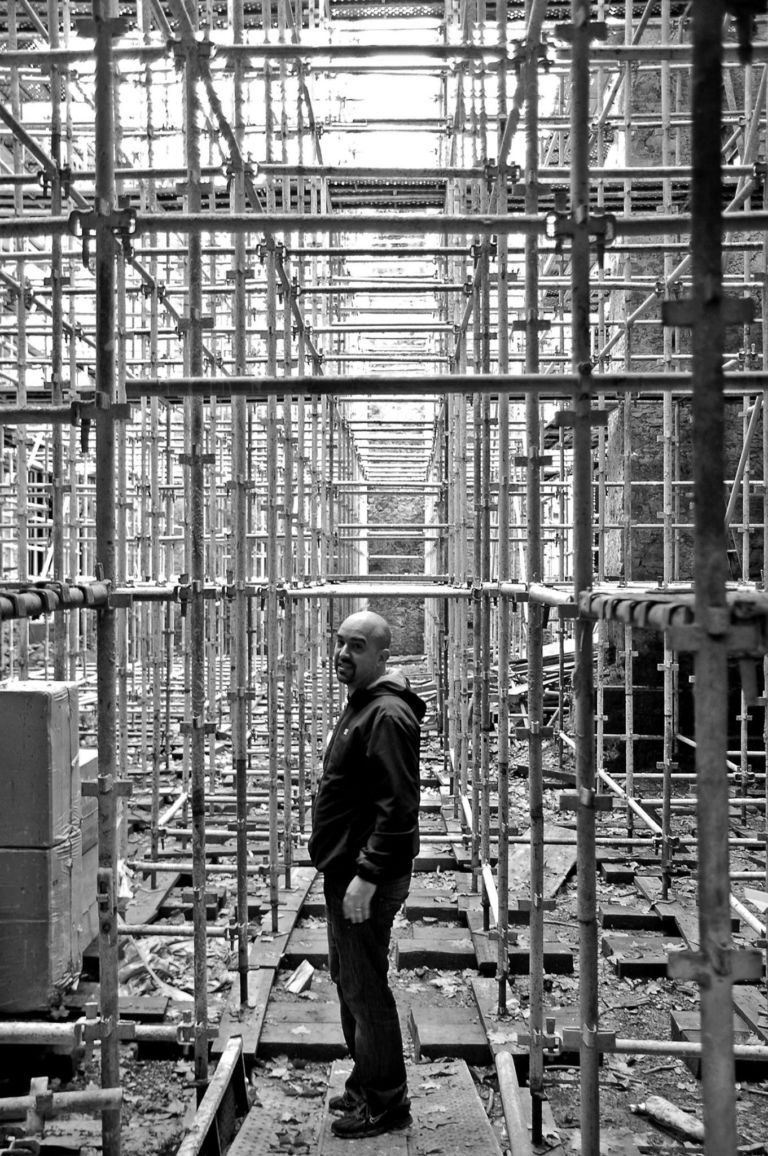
x=42, y=889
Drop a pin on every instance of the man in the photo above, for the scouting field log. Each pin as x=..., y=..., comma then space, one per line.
x=365, y=836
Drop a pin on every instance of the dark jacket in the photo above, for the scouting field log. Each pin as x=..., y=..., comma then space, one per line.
x=366, y=814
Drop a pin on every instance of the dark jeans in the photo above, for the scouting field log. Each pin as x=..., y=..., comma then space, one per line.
x=358, y=958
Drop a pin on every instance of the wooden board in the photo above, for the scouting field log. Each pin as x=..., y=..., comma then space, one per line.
x=686, y=1025
x=449, y=1031
x=502, y=1032
x=618, y=917
x=302, y=1029
x=640, y=955
x=752, y=1007
x=145, y=1008
x=310, y=944
x=682, y=918
x=146, y=901
x=437, y=947
x=559, y=862
x=267, y=949
x=518, y=912
x=436, y=858
x=245, y=1021
x=558, y=959
x=432, y=903
x=486, y=948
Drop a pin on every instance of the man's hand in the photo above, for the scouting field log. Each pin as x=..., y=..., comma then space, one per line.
x=357, y=900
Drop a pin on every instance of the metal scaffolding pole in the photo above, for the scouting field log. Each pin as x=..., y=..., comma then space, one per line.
x=503, y=665
x=272, y=552
x=22, y=353
x=668, y=467
x=194, y=459
x=582, y=570
x=104, y=12
x=714, y=964
x=535, y=639
x=239, y=685
x=764, y=395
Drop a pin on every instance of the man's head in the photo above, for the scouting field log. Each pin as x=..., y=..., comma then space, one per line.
x=362, y=649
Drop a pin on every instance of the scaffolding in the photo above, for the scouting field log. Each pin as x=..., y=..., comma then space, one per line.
x=309, y=306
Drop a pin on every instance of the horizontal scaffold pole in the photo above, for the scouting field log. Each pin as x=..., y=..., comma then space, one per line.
x=552, y=226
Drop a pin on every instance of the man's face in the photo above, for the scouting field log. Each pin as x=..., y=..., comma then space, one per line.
x=357, y=658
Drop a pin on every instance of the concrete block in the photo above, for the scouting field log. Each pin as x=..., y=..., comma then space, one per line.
x=40, y=910
x=39, y=763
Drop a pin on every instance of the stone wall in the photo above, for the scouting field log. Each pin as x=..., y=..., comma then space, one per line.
x=395, y=556
x=643, y=534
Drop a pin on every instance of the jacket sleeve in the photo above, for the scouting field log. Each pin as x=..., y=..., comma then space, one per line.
x=393, y=776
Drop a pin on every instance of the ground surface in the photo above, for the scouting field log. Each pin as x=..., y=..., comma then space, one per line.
x=159, y=1094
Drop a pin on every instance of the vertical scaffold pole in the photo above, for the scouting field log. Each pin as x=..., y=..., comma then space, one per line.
x=104, y=15
x=764, y=575
x=60, y=626
x=22, y=480
x=668, y=514
x=627, y=409
x=196, y=566
x=710, y=567
x=583, y=680
x=535, y=610
x=502, y=305
x=238, y=696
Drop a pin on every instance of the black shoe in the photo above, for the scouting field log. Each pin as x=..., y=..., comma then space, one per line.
x=346, y=1102
x=359, y=1124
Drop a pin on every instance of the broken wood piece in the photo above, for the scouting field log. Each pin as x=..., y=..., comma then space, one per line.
x=301, y=978
x=664, y=1112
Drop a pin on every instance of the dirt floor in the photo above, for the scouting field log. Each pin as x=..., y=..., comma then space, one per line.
x=159, y=1094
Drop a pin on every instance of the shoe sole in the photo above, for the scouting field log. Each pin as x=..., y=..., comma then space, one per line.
x=395, y=1126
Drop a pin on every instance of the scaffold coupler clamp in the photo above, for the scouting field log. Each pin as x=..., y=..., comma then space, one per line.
x=121, y=223
x=185, y=1032
x=183, y=593
x=588, y=1038
x=547, y=1039
x=88, y=1028
x=49, y=600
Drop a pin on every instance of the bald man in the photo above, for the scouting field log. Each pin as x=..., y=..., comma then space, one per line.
x=365, y=836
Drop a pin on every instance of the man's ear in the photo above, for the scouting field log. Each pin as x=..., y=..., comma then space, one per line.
x=384, y=655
